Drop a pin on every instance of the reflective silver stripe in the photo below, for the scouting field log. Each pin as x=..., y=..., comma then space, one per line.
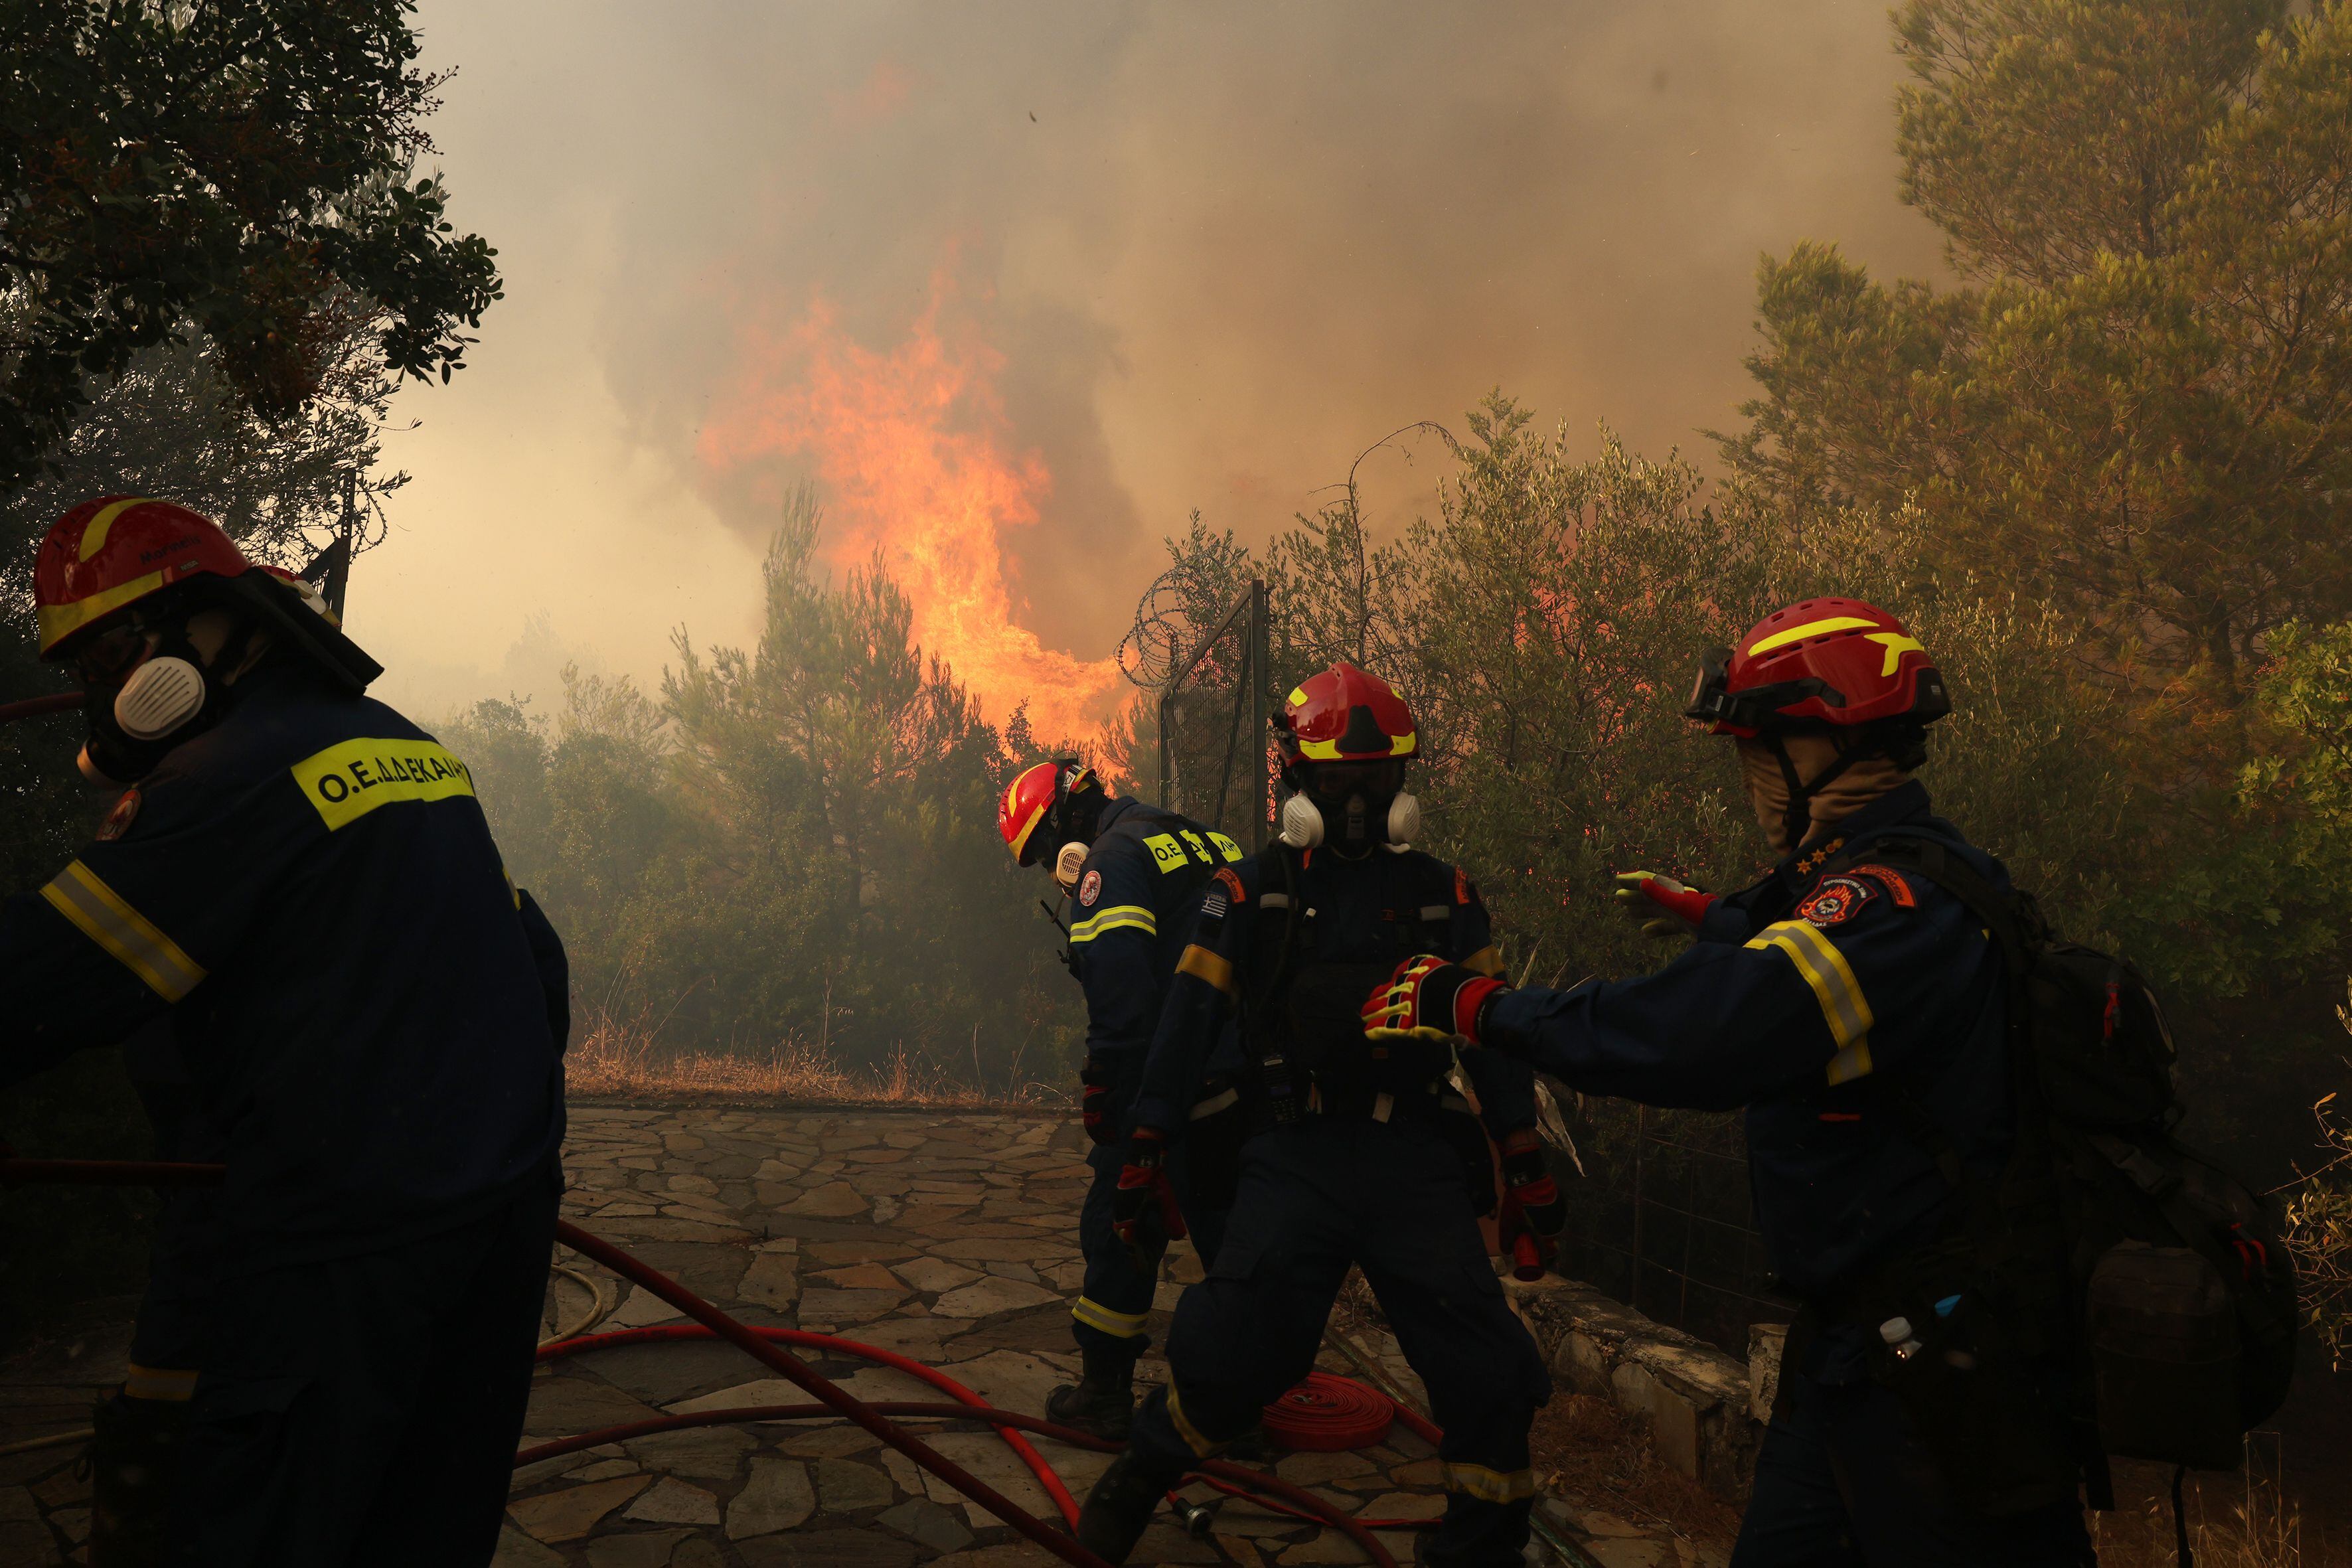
x=1112, y=919
x=1119, y=1325
x=1487, y=1485
x=1434, y=911
x=1215, y=1104
x=1274, y=900
x=1824, y=968
x=100, y=911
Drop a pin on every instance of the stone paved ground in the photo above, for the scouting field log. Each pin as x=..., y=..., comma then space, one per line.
x=947, y=1237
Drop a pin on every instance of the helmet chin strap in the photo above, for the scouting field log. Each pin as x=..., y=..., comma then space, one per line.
x=1797, y=817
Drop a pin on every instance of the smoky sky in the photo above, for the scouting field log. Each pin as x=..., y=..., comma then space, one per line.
x=1218, y=248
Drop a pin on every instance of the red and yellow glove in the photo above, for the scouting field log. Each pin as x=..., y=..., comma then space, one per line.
x=1429, y=999
x=1144, y=1211
x=1533, y=1214
x=1665, y=907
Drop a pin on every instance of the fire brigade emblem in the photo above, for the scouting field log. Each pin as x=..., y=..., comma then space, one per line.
x=1837, y=899
x=117, y=821
x=1090, y=889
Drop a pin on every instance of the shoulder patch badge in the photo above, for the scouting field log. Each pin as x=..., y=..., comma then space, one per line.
x=1464, y=892
x=117, y=821
x=1888, y=878
x=1837, y=899
x=1232, y=884
x=1090, y=889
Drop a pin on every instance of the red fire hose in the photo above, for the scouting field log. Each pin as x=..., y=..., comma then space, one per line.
x=32, y=706
x=955, y=1391
x=766, y=1346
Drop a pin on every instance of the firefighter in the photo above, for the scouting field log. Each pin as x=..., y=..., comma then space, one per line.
x=299, y=884
x=1360, y=1156
x=1132, y=873
x=1856, y=1009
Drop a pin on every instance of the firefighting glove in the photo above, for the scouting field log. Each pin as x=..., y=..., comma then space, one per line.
x=1097, y=1111
x=1144, y=1211
x=1534, y=1213
x=1664, y=907
x=1429, y=999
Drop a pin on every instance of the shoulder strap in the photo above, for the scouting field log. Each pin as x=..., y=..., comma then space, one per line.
x=1278, y=889
x=2010, y=916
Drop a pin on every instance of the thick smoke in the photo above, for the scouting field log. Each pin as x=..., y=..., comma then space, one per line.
x=1213, y=250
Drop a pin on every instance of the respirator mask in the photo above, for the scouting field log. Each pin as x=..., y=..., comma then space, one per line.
x=147, y=692
x=1351, y=807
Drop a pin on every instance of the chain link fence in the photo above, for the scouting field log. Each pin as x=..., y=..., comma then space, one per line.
x=1662, y=1220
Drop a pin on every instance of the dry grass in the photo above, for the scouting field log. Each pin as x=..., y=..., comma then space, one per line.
x=1593, y=1452
x=620, y=1059
x=2243, y=1521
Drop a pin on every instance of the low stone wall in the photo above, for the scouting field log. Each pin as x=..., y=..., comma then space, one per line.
x=1703, y=1410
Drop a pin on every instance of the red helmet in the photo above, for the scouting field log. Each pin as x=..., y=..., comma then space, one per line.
x=1343, y=715
x=108, y=555
x=1036, y=794
x=115, y=551
x=1823, y=662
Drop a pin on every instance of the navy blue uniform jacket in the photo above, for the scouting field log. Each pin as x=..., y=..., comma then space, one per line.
x=373, y=1014
x=1810, y=999
x=1131, y=910
x=1374, y=910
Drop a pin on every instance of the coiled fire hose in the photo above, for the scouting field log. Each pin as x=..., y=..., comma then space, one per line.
x=766, y=1346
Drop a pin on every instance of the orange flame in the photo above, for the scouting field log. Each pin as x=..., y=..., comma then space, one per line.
x=906, y=444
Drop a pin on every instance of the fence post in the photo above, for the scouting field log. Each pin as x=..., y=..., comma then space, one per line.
x=1258, y=674
x=1641, y=1136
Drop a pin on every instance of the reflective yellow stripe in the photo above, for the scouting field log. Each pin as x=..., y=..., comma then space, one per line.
x=1202, y=964
x=1399, y=745
x=59, y=622
x=1843, y=1006
x=1490, y=1486
x=1202, y=1447
x=1896, y=645
x=94, y=532
x=1225, y=846
x=1122, y=1325
x=1486, y=962
x=168, y=1384
x=352, y=778
x=1809, y=629
x=77, y=893
x=1112, y=919
x=1851, y=1063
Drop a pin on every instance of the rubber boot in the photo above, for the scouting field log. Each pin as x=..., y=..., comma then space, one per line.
x=1119, y=1509
x=1103, y=1399
x=133, y=1450
x=1252, y=1448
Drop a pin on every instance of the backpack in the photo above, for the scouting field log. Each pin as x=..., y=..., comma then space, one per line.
x=2180, y=1295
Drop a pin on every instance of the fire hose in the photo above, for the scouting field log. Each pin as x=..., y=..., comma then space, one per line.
x=34, y=707
x=768, y=1346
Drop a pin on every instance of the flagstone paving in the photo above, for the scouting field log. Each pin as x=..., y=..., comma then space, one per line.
x=947, y=1237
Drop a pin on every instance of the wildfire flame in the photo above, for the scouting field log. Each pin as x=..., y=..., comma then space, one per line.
x=908, y=445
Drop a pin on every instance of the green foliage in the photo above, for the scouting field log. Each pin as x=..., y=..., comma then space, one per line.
x=796, y=844
x=2142, y=412
x=1546, y=625
x=233, y=167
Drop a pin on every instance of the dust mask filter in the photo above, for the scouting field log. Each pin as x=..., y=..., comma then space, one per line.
x=1404, y=820
x=1068, y=862
x=161, y=695
x=1302, y=823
